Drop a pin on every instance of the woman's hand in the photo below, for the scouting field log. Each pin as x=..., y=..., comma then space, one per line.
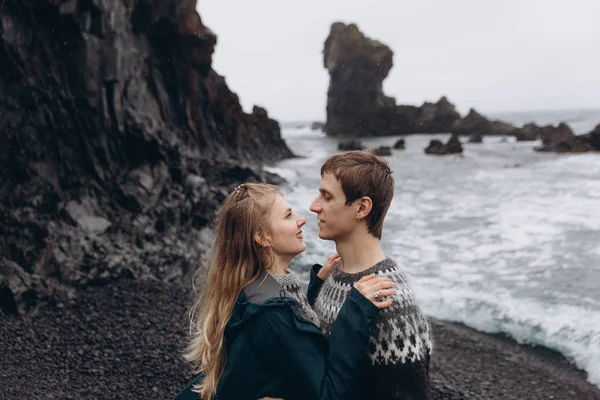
x=331, y=262
x=376, y=289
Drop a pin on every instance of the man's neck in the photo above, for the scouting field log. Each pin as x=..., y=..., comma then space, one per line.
x=359, y=252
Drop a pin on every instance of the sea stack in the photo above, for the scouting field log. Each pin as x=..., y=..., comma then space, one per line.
x=356, y=104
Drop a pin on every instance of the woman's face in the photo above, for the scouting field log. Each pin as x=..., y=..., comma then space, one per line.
x=285, y=229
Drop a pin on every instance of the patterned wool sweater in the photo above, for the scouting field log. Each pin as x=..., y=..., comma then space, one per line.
x=290, y=283
x=400, y=343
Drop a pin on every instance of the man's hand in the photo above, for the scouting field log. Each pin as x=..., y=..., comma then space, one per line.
x=331, y=262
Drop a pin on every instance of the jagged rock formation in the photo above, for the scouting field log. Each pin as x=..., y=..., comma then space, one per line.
x=356, y=104
x=400, y=144
x=593, y=138
x=527, y=133
x=382, y=151
x=437, y=117
x=438, y=148
x=476, y=138
x=118, y=141
x=476, y=124
x=351, y=144
x=553, y=135
x=561, y=139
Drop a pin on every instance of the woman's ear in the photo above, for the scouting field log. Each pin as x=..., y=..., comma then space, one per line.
x=365, y=205
x=262, y=239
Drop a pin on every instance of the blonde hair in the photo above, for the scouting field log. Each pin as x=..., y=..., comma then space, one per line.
x=236, y=261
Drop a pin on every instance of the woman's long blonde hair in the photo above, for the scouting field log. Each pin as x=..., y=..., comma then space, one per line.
x=236, y=260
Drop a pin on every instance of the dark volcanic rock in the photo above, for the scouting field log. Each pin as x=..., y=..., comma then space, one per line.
x=561, y=139
x=593, y=138
x=476, y=124
x=117, y=143
x=357, y=65
x=400, y=144
x=352, y=144
x=356, y=104
x=551, y=134
x=555, y=138
x=453, y=146
x=501, y=128
x=437, y=147
x=382, y=151
x=476, y=138
x=438, y=117
x=529, y=132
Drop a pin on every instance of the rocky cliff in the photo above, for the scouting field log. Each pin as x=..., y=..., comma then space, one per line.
x=118, y=141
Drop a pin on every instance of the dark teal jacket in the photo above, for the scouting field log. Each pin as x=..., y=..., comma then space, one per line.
x=273, y=350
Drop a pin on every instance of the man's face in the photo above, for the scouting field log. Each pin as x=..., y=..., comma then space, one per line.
x=336, y=219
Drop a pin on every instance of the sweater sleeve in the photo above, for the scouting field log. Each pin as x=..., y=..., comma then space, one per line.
x=314, y=285
x=314, y=367
x=401, y=348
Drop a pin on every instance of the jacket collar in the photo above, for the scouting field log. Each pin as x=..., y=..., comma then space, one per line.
x=262, y=293
x=265, y=287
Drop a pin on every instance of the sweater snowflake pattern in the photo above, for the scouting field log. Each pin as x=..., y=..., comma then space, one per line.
x=400, y=343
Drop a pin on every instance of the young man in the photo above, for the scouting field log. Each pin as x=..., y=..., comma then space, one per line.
x=355, y=193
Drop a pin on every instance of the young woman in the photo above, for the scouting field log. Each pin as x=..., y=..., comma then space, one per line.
x=253, y=333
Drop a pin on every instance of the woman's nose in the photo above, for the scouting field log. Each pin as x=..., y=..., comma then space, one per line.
x=301, y=221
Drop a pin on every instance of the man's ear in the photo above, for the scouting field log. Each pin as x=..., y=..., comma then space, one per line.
x=365, y=205
x=262, y=239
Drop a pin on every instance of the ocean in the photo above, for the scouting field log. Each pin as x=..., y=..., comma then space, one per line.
x=502, y=238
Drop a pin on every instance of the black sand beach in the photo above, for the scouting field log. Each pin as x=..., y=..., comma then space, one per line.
x=124, y=341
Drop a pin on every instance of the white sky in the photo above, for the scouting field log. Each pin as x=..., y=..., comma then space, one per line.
x=510, y=55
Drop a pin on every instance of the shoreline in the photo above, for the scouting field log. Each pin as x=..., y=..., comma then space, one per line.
x=543, y=352
x=496, y=362
x=126, y=339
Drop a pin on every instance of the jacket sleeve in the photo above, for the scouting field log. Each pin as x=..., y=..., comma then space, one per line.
x=314, y=284
x=316, y=368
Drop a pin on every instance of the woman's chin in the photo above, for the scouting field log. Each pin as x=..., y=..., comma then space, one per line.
x=302, y=248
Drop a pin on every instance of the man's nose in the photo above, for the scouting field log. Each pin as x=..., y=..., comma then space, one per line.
x=315, y=207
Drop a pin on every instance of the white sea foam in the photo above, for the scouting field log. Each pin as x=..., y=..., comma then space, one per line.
x=573, y=331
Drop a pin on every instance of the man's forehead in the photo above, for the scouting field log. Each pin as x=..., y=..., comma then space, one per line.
x=329, y=182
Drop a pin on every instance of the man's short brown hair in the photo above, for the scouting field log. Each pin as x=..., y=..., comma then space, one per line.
x=361, y=174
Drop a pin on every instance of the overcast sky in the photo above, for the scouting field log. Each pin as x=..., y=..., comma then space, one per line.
x=492, y=55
